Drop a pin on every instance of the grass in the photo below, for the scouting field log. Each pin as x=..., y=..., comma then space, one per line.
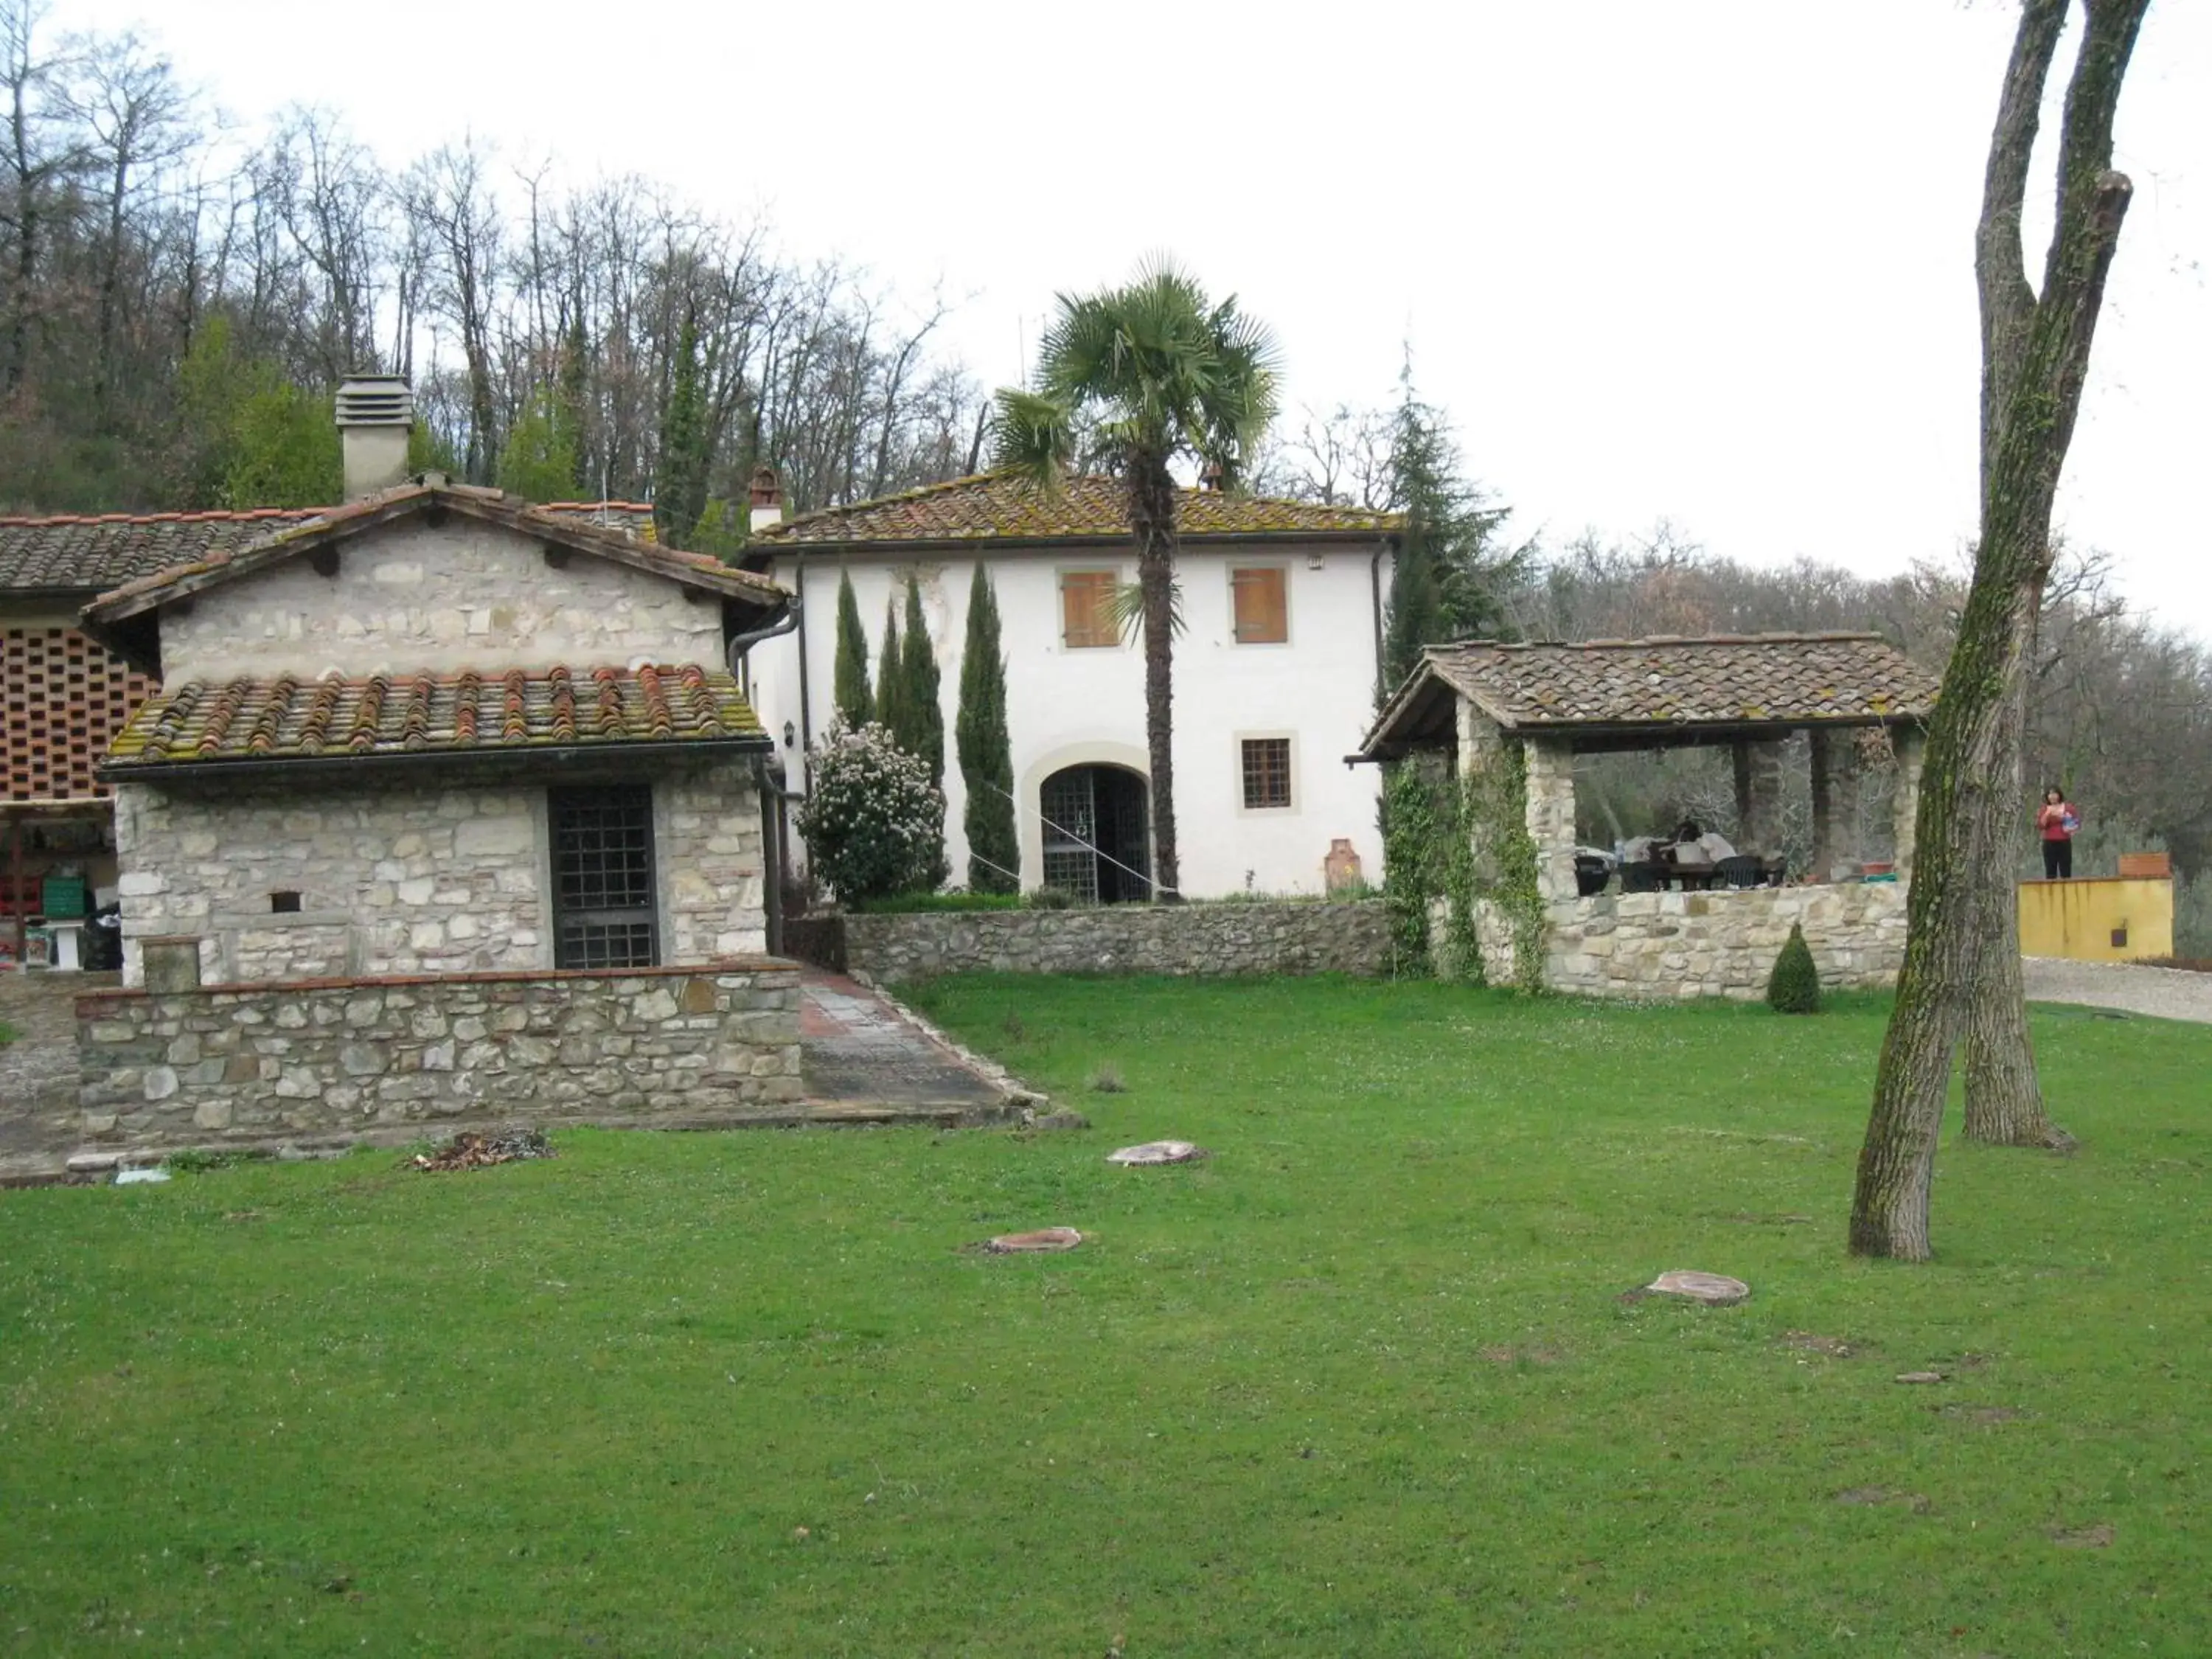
x=1360, y=1383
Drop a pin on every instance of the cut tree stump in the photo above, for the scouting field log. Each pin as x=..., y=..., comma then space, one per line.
x=1044, y=1238
x=1156, y=1151
x=1714, y=1289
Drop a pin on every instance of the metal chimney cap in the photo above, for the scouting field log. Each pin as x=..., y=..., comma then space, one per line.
x=376, y=401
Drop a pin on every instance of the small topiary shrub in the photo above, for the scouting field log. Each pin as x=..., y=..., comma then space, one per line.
x=1794, y=987
x=873, y=824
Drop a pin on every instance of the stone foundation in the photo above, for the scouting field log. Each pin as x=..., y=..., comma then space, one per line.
x=1258, y=938
x=1722, y=943
x=249, y=1063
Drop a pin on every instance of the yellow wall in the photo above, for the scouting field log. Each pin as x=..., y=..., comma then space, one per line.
x=2076, y=919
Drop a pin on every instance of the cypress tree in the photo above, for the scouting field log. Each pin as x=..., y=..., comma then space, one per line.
x=679, y=493
x=573, y=394
x=985, y=749
x=890, y=685
x=849, y=693
x=919, y=690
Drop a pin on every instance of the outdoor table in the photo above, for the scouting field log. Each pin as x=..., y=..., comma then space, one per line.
x=1685, y=876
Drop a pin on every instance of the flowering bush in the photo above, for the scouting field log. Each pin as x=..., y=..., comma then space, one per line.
x=874, y=825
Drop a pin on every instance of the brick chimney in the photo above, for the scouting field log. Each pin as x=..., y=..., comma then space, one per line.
x=376, y=414
x=767, y=496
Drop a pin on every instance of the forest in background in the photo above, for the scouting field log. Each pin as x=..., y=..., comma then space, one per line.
x=178, y=306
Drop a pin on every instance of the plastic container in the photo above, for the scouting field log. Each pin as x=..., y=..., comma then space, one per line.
x=63, y=897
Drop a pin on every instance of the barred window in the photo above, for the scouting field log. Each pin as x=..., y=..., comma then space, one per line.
x=603, y=886
x=1267, y=772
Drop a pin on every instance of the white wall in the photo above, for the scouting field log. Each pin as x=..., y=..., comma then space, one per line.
x=1068, y=707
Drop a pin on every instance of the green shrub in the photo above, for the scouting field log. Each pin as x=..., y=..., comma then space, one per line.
x=873, y=825
x=1794, y=987
x=1048, y=898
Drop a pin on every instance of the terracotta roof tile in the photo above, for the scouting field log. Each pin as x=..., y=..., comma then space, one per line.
x=93, y=553
x=1007, y=508
x=289, y=719
x=1662, y=683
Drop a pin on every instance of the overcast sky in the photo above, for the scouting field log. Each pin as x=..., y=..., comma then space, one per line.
x=1709, y=260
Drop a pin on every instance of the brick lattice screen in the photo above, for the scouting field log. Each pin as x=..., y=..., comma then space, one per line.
x=66, y=699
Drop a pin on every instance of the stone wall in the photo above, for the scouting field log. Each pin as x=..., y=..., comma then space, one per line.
x=464, y=594
x=1255, y=939
x=442, y=872
x=335, y=1057
x=1659, y=945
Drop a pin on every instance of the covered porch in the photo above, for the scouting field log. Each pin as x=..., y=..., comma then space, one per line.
x=1508, y=722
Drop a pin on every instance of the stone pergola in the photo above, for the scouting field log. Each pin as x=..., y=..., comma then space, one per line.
x=1480, y=701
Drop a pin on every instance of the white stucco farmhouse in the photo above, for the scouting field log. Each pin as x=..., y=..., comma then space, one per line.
x=1274, y=675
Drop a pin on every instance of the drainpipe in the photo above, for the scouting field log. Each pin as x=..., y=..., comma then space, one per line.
x=787, y=619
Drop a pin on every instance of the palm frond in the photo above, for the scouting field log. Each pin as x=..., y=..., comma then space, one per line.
x=1127, y=607
x=1032, y=434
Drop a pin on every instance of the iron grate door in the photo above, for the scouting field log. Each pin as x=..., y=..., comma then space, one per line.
x=604, y=914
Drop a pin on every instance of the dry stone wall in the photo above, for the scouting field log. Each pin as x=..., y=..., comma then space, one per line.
x=1202, y=939
x=342, y=1057
x=463, y=594
x=1722, y=944
x=443, y=874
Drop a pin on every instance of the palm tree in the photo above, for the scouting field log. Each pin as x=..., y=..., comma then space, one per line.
x=1132, y=380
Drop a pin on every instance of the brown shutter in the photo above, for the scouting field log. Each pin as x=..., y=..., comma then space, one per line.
x=1262, y=605
x=1087, y=614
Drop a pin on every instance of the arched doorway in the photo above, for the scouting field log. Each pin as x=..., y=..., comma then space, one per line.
x=1097, y=846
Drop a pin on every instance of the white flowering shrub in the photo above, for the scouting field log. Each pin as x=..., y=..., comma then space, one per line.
x=874, y=824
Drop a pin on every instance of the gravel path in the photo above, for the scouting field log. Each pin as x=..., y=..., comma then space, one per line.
x=2163, y=993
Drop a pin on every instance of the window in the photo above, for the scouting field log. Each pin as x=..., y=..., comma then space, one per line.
x=1266, y=773
x=1261, y=593
x=285, y=903
x=1086, y=609
x=603, y=908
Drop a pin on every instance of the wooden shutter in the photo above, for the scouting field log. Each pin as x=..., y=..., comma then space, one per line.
x=1263, y=612
x=1086, y=609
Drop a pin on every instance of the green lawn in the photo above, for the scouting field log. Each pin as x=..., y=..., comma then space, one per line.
x=1361, y=1385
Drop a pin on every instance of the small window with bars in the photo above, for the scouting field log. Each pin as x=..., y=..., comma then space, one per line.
x=1086, y=609
x=1266, y=773
x=603, y=886
x=1262, y=603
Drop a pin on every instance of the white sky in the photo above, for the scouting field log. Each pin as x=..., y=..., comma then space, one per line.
x=1708, y=260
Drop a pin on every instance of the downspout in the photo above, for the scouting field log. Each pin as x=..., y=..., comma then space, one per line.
x=772, y=794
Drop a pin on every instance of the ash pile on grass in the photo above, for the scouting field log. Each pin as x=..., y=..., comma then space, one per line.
x=471, y=1150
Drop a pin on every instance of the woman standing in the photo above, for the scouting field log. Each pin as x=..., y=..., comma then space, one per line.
x=2057, y=820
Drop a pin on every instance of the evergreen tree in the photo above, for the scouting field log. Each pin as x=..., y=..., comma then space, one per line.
x=573, y=396
x=539, y=461
x=923, y=718
x=891, y=689
x=985, y=749
x=854, y=702
x=1448, y=570
x=680, y=493
x=1794, y=986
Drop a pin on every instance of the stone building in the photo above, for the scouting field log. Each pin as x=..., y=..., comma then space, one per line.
x=437, y=731
x=1519, y=715
x=66, y=697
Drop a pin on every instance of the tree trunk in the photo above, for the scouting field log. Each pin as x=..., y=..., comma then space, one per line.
x=1967, y=780
x=2004, y=1102
x=1152, y=516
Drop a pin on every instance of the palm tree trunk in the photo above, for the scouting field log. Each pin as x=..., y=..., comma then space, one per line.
x=1152, y=517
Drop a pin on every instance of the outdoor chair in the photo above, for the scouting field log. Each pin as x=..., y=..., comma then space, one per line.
x=1742, y=871
x=1640, y=879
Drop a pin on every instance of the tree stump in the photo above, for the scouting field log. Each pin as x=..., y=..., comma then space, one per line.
x=1043, y=1239
x=1714, y=1289
x=1156, y=1151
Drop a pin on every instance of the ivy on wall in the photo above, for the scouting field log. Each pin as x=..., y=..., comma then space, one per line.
x=1496, y=801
